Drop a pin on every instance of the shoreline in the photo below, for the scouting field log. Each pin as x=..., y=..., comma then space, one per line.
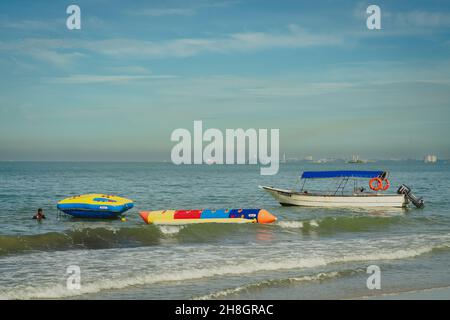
x=438, y=293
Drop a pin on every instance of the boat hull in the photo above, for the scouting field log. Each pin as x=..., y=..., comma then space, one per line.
x=375, y=200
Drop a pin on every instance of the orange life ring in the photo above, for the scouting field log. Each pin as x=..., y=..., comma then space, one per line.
x=387, y=185
x=379, y=184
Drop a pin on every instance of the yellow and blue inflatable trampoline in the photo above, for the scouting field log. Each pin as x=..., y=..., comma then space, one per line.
x=95, y=205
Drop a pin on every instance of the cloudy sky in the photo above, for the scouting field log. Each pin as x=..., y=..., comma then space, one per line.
x=137, y=70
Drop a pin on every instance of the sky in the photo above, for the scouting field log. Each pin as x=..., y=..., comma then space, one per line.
x=137, y=70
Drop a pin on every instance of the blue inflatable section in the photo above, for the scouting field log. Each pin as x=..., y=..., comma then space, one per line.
x=244, y=213
x=92, y=214
x=104, y=200
x=215, y=214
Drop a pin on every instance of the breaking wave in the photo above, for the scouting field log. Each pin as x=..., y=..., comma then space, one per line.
x=285, y=224
x=55, y=291
x=149, y=235
x=342, y=224
x=170, y=230
x=86, y=238
x=322, y=276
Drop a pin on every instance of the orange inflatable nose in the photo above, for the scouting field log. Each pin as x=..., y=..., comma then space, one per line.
x=144, y=216
x=265, y=216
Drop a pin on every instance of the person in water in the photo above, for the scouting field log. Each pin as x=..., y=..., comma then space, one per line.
x=39, y=215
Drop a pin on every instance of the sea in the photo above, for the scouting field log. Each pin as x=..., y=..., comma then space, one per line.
x=308, y=253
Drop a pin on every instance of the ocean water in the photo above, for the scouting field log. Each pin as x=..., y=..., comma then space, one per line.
x=308, y=253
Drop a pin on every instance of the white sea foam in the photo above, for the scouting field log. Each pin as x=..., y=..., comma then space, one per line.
x=290, y=224
x=239, y=289
x=313, y=223
x=170, y=230
x=148, y=276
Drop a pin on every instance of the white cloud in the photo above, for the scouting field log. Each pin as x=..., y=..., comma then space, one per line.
x=179, y=11
x=129, y=70
x=56, y=25
x=220, y=4
x=93, y=78
x=29, y=24
x=55, y=58
x=290, y=89
x=293, y=37
x=63, y=53
x=163, y=12
x=425, y=19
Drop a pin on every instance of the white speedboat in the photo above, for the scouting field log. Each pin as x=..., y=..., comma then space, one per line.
x=357, y=198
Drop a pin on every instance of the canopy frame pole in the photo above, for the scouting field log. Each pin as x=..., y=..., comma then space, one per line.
x=341, y=185
x=303, y=185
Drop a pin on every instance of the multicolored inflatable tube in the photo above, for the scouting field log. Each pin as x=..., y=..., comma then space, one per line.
x=208, y=216
x=95, y=205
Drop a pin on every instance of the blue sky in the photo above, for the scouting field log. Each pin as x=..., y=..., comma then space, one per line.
x=117, y=88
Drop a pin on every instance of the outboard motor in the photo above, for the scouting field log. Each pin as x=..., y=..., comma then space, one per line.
x=418, y=202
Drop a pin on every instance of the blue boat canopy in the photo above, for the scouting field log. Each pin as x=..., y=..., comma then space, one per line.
x=341, y=174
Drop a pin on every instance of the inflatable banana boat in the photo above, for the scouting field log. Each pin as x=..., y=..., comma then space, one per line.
x=95, y=205
x=208, y=216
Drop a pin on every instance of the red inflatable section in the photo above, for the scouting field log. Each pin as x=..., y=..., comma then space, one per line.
x=187, y=214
